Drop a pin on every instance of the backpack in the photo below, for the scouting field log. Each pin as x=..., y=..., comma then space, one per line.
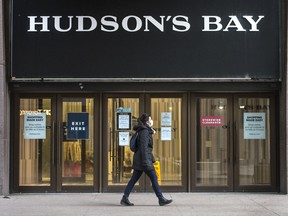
x=133, y=142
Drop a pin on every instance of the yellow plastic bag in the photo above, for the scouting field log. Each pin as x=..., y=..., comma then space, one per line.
x=157, y=170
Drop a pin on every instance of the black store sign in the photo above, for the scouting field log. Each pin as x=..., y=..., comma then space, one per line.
x=77, y=126
x=145, y=39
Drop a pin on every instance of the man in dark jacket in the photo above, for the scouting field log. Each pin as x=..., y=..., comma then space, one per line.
x=143, y=160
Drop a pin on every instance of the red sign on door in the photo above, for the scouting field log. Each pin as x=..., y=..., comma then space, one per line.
x=211, y=121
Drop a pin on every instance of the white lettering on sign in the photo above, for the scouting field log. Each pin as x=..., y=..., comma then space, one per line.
x=211, y=121
x=93, y=23
x=132, y=23
x=109, y=24
x=76, y=126
x=77, y=123
x=214, y=23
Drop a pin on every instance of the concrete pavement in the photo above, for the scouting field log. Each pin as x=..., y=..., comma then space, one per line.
x=88, y=204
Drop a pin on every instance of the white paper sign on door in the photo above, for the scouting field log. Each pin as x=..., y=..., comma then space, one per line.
x=166, y=119
x=254, y=126
x=123, y=121
x=35, y=125
x=123, y=138
x=166, y=133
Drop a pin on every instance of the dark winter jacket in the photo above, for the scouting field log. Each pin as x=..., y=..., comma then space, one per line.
x=143, y=158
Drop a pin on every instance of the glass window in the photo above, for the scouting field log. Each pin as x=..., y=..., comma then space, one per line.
x=167, y=142
x=254, y=141
x=212, y=142
x=120, y=157
x=78, y=153
x=35, y=142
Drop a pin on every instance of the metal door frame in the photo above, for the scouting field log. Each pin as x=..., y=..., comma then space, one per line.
x=233, y=176
x=273, y=145
x=96, y=125
x=15, y=147
x=193, y=150
x=56, y=119
x=144, y=106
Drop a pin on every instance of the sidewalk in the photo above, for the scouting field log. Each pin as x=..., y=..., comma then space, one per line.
x=88, y=204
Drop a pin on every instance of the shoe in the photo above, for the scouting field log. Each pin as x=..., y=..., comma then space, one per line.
x=163, y=201
x=125, y=201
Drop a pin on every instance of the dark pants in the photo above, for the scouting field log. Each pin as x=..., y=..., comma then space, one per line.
x=135, y=177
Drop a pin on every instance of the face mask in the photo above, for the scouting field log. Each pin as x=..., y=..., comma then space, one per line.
x=151, y=123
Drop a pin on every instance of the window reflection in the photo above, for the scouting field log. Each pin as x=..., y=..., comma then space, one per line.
x=120, y=157
x=212, y=143
x=34, y=154
x=78, y=154
x=166, y=115
x=254, y=148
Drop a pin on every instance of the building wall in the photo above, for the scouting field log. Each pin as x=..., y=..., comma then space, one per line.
x=4, y=114
x=285, y=81
x=284, y=107
x=5, y=122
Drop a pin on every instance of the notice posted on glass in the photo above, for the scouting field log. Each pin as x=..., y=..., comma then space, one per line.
x=254, y=126
x=35, y=125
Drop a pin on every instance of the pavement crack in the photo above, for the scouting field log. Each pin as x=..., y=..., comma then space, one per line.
x=263, y=206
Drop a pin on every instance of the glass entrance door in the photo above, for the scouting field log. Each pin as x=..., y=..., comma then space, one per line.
x=54, y=148
x=234, y=143
x=255, y=158
x=76, y=143
x=35, y=143
x=218, y=142
x=213, y=148
x=169, y=115
x=120, y=116
x=121, y=113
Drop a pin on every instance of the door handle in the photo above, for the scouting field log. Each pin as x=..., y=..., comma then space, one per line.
x=225, y=126
x=235, y=140
x=53, y=143
x=58, y=141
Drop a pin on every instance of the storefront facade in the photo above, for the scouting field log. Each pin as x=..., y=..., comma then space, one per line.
x=212, y=76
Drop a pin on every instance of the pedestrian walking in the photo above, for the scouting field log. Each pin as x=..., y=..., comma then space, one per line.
x=143, y=160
